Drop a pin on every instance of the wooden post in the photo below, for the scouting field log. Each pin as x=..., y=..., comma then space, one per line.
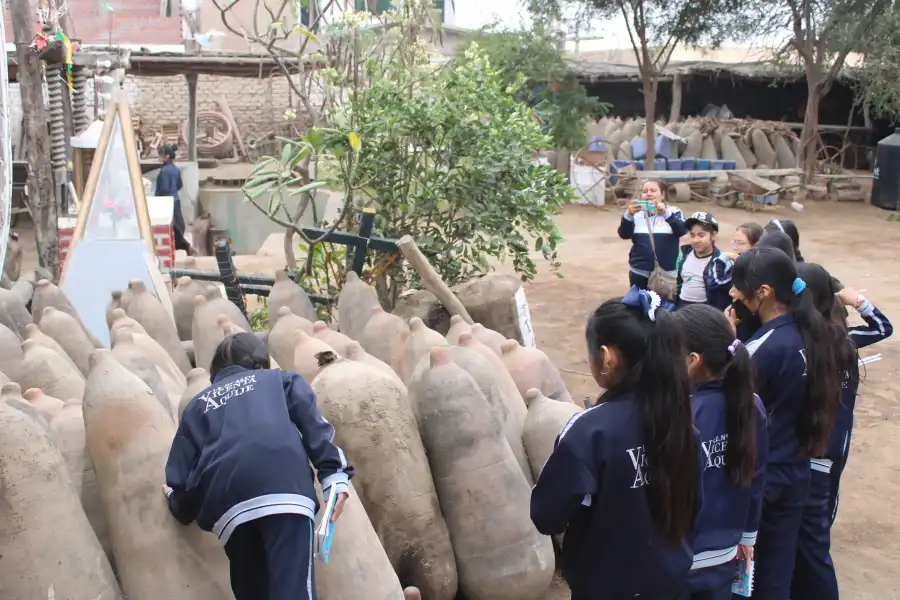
x=366, y=224
x=431, y=281
x=228, y=274
x=675, y=113
x=40, y=199
x=192, y=116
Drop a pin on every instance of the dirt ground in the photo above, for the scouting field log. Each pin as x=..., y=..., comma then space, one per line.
x=853, y=241
x=859, y=246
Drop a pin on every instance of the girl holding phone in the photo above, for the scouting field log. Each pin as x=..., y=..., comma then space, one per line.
x=654, y=230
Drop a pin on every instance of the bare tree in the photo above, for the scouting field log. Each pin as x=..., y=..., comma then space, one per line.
x=822, y=34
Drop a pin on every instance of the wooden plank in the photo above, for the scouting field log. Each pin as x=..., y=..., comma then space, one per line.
x=710, y=174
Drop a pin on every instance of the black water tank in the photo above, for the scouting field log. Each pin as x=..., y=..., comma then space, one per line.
x=886, y=187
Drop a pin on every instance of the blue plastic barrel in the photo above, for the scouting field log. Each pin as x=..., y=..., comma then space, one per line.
x=702, y=164
x=717, y=165
x=730, y=165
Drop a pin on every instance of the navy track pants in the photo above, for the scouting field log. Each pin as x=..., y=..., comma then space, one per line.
x=711, y=583
x=271, y=558
x=776, y=544
x=814, y=576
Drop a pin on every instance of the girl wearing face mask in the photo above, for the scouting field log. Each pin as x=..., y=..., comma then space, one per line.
x=814, y=576
x=654, y=232
x=623, y=481
x=732, y=424
x=799, y=382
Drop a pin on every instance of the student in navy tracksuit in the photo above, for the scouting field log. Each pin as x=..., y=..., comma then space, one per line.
x=748, y=323
x=239, y=466
x=667, y=224
x=704, y=271
x=623, y=481
x=732, y=424
x=168, y=183
x=814, y=576
x=798, y=380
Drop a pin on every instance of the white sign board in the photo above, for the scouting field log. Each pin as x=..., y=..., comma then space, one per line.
x=524, y=319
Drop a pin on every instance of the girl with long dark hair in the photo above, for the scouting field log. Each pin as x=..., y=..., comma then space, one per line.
x=799, y=382
x=790, y=229
x=731, y=420
x=814, y=576
x=623, y=481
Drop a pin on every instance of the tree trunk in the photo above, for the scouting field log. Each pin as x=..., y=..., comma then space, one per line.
x=809, y=137
x=675, y=112
x=650, y=87
x=41, y=201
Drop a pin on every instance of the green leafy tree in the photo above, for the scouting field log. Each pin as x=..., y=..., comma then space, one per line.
x=446, y=155
x=550, y=87
x=655, y=28
x=878, y=86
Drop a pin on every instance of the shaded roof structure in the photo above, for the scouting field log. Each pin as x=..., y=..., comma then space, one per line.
x=601, y=70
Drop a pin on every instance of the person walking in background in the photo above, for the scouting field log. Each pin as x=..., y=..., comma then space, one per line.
x=814, y=575
x=168, y=183
x=732, y=424
x=240, y=467
x=799, y=382
x=704, y=271
x=623, y=481
x=654, y=230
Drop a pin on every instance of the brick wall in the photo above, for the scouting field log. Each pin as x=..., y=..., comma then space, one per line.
x=255, y=103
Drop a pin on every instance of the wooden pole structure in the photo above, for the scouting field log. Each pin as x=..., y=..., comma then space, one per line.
x=192, y=116
x=40, y=199
x=431, y=281
x=6, y=156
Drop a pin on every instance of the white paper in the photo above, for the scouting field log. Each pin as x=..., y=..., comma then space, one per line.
x=524, y=315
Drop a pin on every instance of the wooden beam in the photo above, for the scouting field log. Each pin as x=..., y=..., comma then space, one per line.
x=705, y=174
x=192, y=79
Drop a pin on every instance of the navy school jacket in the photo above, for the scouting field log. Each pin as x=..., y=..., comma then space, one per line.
x=168, y=181
x=593, y=488
x=779, y=360
x=730, y=514
x=667, y=230
x=716, y=277
x=877, y=328
x=238, y=456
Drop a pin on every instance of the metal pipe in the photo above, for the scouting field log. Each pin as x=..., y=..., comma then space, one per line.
x=250, y=284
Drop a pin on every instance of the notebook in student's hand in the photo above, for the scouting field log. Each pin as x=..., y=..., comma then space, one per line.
x=743, y=584
x=325, y=530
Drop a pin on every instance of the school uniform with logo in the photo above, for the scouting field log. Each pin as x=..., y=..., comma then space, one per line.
x=704, y=280
x=730, y=513
x=240, y=467
x=814, y=575
x=593, y=488
x=667, y=230
x=779, y=360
